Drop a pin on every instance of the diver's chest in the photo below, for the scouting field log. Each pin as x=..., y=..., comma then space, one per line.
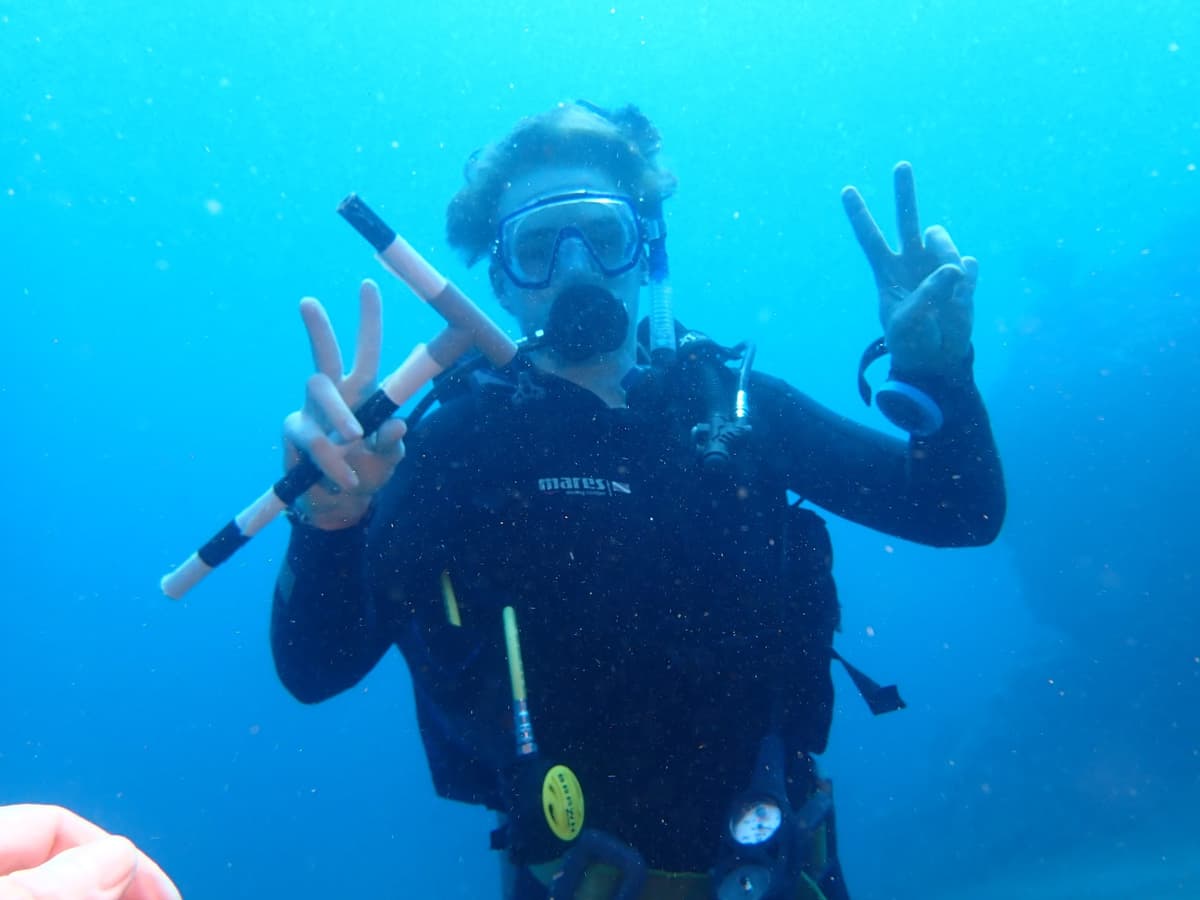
x=631, y=488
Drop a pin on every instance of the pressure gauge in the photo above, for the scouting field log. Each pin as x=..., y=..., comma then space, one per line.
x=755, y=822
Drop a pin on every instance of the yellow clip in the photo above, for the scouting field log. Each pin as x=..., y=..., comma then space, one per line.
x=450, y=601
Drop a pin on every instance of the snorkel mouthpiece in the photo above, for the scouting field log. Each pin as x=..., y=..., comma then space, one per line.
x=586, y=320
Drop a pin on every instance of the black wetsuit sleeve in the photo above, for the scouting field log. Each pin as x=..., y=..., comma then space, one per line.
x=343, y=598
x=324, y=631
x=946, y=490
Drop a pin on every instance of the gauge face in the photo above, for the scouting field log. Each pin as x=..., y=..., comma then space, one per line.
x=755, y=823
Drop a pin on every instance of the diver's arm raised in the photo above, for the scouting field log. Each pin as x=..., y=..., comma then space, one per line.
x=944, y=486
x=324, y=634
x=945, y=490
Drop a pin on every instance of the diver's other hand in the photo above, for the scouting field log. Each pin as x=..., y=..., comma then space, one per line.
x=326, y=430
x=50, y=852
x=926, y=291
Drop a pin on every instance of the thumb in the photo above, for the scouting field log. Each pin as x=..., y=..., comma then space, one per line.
x=99, y=870
x=939, y=284
x=389, y=436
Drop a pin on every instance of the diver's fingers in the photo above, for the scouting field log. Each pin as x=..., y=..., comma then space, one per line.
x=330, y=457
x=389, y=439
x=939, y=243
x=31, y=833
x=327, y=356
x=52, y=852
x=309, y=430
x=971, y=266
x=938, y=286
x=111, y=868
x=907, y=219
x=326, y=405
x=869, y=236
x=100, y=870
x=150, y=882
x=370, y=339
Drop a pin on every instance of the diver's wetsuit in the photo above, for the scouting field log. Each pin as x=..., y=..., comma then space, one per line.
x=658, y=622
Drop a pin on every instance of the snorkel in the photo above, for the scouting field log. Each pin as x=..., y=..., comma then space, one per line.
x=662, y=319
x=646, y=139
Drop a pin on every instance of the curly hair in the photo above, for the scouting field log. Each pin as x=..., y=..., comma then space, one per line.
x=623, y=143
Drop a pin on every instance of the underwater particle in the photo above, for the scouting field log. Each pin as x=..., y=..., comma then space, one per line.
x=1172, y=47
x=870, y=629
x=213, y=206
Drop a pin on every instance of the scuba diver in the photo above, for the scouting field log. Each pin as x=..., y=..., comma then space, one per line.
x=618, y=619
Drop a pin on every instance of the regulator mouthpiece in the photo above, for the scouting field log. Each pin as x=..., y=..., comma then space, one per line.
x=585, y=321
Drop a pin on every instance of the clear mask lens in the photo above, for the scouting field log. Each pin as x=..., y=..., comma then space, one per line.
x=606, y=225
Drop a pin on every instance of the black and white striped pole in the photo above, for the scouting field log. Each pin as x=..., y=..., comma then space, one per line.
x=467, y=326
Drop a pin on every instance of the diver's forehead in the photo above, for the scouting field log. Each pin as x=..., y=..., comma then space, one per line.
x=549, y=180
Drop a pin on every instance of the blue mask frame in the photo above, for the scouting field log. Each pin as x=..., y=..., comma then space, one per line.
x=610, y=261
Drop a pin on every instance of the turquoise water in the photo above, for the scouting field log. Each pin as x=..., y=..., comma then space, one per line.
x=168, y=178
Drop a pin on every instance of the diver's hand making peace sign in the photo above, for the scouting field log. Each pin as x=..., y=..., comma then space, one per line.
x=326, y=430
x=926, y=291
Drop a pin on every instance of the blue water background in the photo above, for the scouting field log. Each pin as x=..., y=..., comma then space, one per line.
x=168, y=178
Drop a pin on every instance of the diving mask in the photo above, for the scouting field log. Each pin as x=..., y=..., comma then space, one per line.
x=528, y=240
